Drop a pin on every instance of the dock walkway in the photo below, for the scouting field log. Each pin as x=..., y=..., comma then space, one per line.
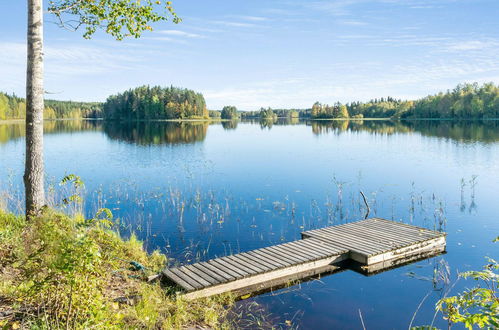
x=374, y=244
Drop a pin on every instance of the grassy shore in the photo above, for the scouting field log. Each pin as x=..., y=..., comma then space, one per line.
x=58, y=271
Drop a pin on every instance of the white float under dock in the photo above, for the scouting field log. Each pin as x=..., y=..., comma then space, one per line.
x=373, y=244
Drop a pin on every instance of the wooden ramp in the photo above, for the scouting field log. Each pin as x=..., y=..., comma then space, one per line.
x=374, y=244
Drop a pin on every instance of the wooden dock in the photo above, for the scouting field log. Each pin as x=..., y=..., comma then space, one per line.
x=373, y=245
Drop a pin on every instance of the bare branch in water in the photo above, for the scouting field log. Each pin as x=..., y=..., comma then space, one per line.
x=367, y=205
x=360, y=313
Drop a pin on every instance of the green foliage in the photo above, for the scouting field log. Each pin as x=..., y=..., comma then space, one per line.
x=478, y=306
x=465, y=101
x=379, y=108
x=229, y=112
x=280, y=113
x=77, y=185
x=72, y=178
x=119, y=18
x=74, y=110
x=4, y=106
x=293, y=114
x=325, y=111
x=155, y=103
x=13, y=107
x=214, y=114
x=103, y=218
x=58, y=271
x=267, y=114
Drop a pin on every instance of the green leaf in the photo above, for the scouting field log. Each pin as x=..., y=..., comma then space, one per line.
x=119, y=18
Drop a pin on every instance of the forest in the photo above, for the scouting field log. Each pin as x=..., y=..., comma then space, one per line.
x=269, y=113
x=229, y=112
x=14, y=107
x=466, y=101
x=145, y=102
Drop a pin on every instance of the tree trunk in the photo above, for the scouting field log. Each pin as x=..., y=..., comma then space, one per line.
x=34, y=170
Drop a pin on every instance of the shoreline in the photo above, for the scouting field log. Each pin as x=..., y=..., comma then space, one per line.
x=218, y=120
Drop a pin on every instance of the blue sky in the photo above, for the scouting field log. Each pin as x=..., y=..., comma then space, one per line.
x=272, y=53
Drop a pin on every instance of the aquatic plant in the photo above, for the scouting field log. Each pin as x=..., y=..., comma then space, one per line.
x=477, y=306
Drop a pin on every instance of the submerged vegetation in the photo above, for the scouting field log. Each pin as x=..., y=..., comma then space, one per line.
x=60, y=271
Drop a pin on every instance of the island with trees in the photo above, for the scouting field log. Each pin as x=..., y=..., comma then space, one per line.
x=145, y=103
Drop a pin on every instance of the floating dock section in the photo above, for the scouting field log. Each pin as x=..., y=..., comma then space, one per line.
x=370, y=245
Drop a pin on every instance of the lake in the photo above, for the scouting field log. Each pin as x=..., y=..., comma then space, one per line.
x=197, y=190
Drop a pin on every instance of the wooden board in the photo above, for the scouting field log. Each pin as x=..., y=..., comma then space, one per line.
x=378, y=240
x=373, y=245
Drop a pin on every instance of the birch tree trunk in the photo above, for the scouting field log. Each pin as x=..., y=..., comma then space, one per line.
x=34, y=169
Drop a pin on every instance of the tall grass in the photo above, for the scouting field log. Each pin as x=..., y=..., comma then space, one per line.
x=58, y=271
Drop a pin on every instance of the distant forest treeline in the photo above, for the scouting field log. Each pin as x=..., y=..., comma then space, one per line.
x=156, y=103
x=13, y=107
x=466, y=101
x=269, y=113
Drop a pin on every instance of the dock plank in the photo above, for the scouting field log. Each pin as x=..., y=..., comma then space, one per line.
x=216, y=278
x=373, y=232
x=196, y=276
x=276, y=259
x=178, y=280
x=374, y=243
x=229, y=268
x=267, y=258
x=262, y=264
x=224, y=273
x=241, y=263
x=285, y=253
x=186, y=278
x=281, y=257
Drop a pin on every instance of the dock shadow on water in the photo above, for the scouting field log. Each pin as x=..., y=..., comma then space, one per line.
x=198, y=191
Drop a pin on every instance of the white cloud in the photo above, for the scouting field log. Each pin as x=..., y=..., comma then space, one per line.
x=250, y=18
x=179, y=33
x=472, y=45
x=234, y=24
x=345, y=7
x=352, y=22
x=63, y=63
x=169, y=39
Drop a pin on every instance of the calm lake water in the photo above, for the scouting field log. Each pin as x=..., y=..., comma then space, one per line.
x=197, y=191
